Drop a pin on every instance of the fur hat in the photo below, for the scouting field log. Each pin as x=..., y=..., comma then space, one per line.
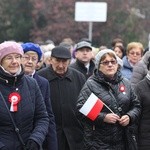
x=101, y=53
x=32, y=47
x=9, y=47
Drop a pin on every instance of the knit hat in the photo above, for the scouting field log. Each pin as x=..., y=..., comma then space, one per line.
x=61, y=52
x=101, y=53
x=32, y=47
x=9, y=47
x=148, y=75
x=120, y=62
x=83, y=44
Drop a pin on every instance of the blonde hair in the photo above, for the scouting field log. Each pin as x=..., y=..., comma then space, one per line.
x=135, y=45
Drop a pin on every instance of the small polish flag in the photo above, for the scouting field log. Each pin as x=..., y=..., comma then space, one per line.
x=92, y=107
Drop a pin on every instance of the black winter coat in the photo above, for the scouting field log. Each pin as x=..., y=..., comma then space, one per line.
x=31, y=117
x=64, y=93
x=51, y=139
x=143, y=91
x=81, y=68
x=99, y=135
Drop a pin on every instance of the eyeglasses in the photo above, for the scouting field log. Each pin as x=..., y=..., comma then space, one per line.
x=28, y=58
x=11, y=58
x=134, y=53
x=106, y=63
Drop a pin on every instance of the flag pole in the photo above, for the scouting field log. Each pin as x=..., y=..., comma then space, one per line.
x=108, y=108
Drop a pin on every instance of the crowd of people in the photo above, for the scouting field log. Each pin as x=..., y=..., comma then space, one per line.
x=73, y=96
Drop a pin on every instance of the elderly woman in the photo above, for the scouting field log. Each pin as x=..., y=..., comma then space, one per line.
x=107, y=105
x=23, y=117
x=134, y=54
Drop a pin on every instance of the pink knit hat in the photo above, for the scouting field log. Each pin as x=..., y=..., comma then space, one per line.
x=9, y=47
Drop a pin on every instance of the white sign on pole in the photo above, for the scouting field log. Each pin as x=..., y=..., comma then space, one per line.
x=91, y=11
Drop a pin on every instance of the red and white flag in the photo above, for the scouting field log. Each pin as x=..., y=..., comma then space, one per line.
x=92, y=107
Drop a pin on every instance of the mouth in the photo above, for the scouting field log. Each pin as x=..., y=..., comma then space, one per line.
x=28, y=66
x=110, y=70
x=13, y=67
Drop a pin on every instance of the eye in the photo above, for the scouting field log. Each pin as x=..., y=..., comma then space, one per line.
x=113, y=62
x=34, y=59
x=8, y=58
x=18, y=56
x=26, y=57
x=106, y=63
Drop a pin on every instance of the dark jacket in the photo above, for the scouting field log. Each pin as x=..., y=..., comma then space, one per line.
x=64, y=93
x=98, y=134
x=140, y=69
x=143, y=89
x=81, y=68
x=31, y=117
x=51, y=140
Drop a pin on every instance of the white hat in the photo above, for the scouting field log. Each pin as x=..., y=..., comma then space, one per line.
x=120, y=62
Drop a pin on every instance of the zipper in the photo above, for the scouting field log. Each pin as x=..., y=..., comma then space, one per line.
x=93, y=127
x=15, y=81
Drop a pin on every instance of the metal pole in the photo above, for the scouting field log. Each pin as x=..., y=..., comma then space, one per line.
x=149, y=42
x=90, y=30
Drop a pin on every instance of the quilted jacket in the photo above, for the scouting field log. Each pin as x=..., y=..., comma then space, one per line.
x=99, y=135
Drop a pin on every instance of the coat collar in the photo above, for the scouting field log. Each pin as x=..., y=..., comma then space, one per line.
x=9, y=79
x=91, y=64
x=51, y=75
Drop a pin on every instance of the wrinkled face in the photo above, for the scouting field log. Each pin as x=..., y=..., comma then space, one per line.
x=134, y=55
x=84, y=55
x=11, y=63
x=29, y=62
x=59, y=65
x=108, y=66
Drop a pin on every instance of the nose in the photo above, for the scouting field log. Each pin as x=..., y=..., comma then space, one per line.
x=14, y=59
x=85, y=52
x=110, y=64
x=30, y=60
x=60, y=64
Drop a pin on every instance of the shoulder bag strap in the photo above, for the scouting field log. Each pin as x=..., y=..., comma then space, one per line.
x=13, y=122
x=117, y=107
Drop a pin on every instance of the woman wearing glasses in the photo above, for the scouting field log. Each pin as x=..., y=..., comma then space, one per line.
x=134, y=54
x=23, y=117
x=107, y=105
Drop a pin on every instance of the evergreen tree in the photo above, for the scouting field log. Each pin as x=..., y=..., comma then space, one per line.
x=15, y=20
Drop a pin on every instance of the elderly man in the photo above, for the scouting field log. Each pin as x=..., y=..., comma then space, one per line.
x=65, y=85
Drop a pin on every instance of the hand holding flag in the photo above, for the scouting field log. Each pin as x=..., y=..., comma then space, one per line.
x=92, y=107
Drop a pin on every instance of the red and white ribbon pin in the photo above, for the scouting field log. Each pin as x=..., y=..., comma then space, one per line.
x=14, y=99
